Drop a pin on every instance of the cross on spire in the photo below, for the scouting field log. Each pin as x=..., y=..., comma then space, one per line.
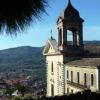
x=51, y=34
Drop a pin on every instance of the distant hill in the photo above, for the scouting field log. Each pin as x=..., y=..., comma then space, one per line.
x=22, y=59
x=26, y=59
x=92, y=42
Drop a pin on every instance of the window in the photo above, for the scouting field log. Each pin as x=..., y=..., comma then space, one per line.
x=52, y=67
x=52, y=90
x=72, y=76
x=78, y=77
x=67, y=74
x=67, y=90
x=72, y=91
x=92, y=80
x=85, y=79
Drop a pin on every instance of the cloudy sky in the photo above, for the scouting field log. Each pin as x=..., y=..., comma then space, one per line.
x=37, y=34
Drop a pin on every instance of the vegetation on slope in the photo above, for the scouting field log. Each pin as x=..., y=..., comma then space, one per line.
x=22, y=59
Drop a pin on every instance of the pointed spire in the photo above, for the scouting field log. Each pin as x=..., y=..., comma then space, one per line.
x=69, y=2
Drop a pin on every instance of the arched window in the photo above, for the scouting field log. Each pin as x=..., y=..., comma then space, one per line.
x=72, y=91
x=85, y=79
x=78, y=77
x=71, y=76
x=67, y=74
x=67, y=90
x=92, y=80
x=52, y=69
x=52, y=90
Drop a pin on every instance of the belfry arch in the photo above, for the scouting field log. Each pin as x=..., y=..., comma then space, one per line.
x=70, y=20
x=74, y=36
x=69, y=38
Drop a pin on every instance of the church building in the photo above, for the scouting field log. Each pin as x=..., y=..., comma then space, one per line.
x=71, y=66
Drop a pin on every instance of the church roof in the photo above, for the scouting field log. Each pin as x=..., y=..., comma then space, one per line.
x=50, y=43
x=70, y=13
x=86, y=62
x=53, y=43
x=90, y=59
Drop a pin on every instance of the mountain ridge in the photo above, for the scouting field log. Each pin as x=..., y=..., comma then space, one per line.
x=26, y=58
x=22, y=58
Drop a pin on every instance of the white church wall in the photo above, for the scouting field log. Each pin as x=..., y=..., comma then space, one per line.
x=98, y=74
x=53, y=77
x=82, y=70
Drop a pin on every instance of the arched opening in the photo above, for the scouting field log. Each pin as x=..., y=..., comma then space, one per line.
x=69, y=37
x=72, y=36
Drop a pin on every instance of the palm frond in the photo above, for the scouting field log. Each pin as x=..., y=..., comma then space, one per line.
x=15, y=15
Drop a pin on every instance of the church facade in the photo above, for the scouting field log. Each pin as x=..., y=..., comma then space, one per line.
x=71, y=66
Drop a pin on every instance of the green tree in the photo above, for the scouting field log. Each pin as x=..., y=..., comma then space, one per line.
x=21, y=88
x=9, y=91
x=16, y=98
x=29, y=97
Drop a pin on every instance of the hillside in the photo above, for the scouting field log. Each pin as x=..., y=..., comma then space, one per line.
x=27, y=59
x=96, y=43
x=22, y=59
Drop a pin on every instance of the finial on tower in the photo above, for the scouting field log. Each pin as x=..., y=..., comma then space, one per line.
x=51, y=34
x=69, y=2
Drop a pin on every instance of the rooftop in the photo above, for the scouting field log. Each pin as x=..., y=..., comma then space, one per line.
x=91, y=57
x=86, y=62
x=70, y=13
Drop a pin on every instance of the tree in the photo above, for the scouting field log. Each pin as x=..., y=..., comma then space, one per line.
x=21, y=88
x=16, y=14
x=9, y=91
x=16, y=98
x=29, y=97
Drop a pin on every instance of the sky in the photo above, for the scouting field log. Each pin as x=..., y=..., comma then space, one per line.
x=38, y=32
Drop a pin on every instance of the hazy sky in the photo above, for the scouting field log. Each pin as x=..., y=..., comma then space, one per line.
x=38, y=33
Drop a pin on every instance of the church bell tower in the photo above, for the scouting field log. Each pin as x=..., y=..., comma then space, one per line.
x=58, y=53
x=70, y=21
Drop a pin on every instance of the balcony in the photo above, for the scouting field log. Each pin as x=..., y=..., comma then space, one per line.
x=77, y=85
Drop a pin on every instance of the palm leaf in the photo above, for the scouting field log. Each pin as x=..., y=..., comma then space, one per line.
x=15, y=15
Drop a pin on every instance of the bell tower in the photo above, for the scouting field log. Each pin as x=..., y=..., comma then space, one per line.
x=70, y=21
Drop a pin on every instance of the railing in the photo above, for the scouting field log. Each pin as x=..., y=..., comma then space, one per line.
x=77, y=85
